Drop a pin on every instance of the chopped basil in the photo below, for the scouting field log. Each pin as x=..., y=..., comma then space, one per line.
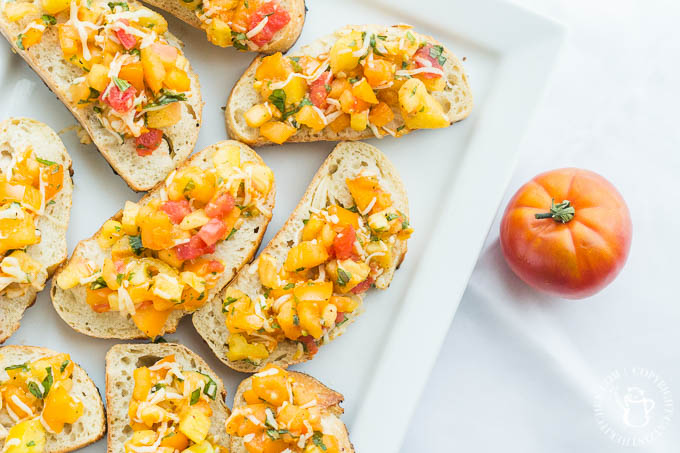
x=166, y=97
x=120, y=83
x=195, y=396
x=49, y=20
x=278, y=98
x=343, y=277
x=22, y=367
x=98, y=284
x=231, y=233
x=300, y=269
x=401, y=127
x=317, y=438
x=296, y=320
x=191, y=185
x=31, y=443
x=391, y=216
x=436, y=53
x=353, y=80
x=63, y=366
x=210, y=389
x=119, y=278
x=135, y=52
x=123, y=5
x=48, y=381
x=156, y=387
x=35, y=390
x=289, y=286
x=410, y=37
x=49, y=163
x=136, y=244
x=238, y=40
x=97, y=109
x=160, y=339
x=270, y=419
x=296, y=65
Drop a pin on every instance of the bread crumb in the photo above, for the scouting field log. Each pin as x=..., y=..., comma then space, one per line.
x=82, y=134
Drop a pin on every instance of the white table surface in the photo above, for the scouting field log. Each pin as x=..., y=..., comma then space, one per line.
x=520, y=371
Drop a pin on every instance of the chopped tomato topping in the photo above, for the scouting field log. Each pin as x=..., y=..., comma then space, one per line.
x=176, y=210
x=119, y=101
x=277, y=18
x=212, y=231
x=220, y=205
x=310, y=346
x=148, y=142
x=363, y=286
x=119, y=265
x=215, y=266
x=343, y=244
x=101, y=308
x=193, y=249
x=318, y=90
x=339, y=317
x=126, y=39
x=423, y=58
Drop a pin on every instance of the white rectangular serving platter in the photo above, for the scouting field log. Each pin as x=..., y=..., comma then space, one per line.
x=455, y=179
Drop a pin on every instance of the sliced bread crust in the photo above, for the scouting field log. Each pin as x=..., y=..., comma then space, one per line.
x=346, y=160
x=327, y=398
x=235, y=253
x=123, y=359
x=15, y=135
x=283, y=40
x=141, y=173
x=89, y=428
x=457, y=94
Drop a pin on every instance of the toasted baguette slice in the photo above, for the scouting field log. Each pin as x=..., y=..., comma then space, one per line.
x=327, y=398
x=89, y=428
x=283, y=40
x=235, y=252
x=346, y=160
x=121, y=362
x=141, y=173
x=16, y=134
x=456, y=98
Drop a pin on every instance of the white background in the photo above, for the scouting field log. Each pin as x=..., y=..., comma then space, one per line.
x=519, y=370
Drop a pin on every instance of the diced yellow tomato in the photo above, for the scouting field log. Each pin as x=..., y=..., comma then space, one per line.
x=176, y=441
x=133, y=73
x=277, y=131
x=364, y=189
x=412, y=95
x=295, y=90
x=380, y=114
x=345, y=216
x=341, y=123
x=257, y=115
x=430, y=116
x=10, y=392
x=16, y=11
x=310, y=118
x=352, y=273
x=111, y=231
x=339, y=86
x=310, y=319
x=80, y=92
x=240, y=349
x=154, y=70
x=362, y=90
x=165, y=117
x=267, y=271
x=143, y=383
x=219, y=33
x=98, y=77
x=271, y=388
x=194, y=183
x=289, y=321
x=30, y=435
x=359, y=121
x=275, y=67
x=153, y=21
x=70, y=275
x=17, y=233
x=378, y=72
x=194, y=424
x=54, y=6
x=150, y=321
x=156, y=229
x=61, y=408
x=129, y=220
x=305, y=255
x=177, y=80
x=314, y=291
x=341, y=55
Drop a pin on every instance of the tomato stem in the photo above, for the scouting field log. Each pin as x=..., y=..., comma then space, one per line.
x=561, y=212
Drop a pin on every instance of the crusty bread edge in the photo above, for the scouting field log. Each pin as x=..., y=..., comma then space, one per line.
x=325, y=134
x=120, y=349
x=171, y=325
x=77, y=113
x=51, y=269
x=283, y=40
x=102, y=431
x=320, y=388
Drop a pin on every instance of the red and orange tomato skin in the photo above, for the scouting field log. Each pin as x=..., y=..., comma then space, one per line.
x=574, y=259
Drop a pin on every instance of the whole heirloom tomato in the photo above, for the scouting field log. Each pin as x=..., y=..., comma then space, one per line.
x=567, y=232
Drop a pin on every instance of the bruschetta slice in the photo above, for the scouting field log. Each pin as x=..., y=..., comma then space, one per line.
x=35, y=191
x=264, y=26
x=347, y=234
x=122, y=75
x=168, y=254
x=163, y=398
x=362, y=81
x=49, y=404
x=294, y=411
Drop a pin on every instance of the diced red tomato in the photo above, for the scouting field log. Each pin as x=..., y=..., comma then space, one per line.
x=176, y=210
x=120, y=266
x=318, y=91
x=215, y=266
x=422, y=57
x=126, y=39
x=363, y=286
x=119, y=101
x=193, y=249
x=148, y=142
x=343, y=244
x=277, y=18
x=212, y=231
x=339, y=317
x=220, y=205
x=309, y=343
